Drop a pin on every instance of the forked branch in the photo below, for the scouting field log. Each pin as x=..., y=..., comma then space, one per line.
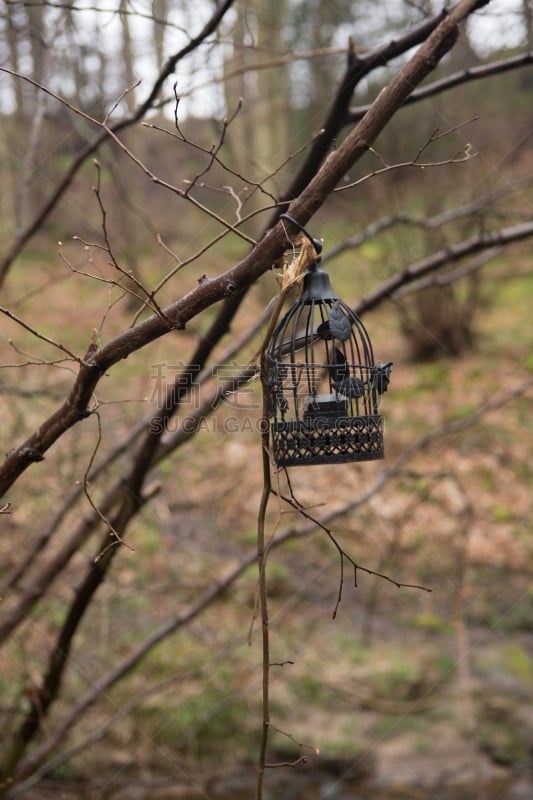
x=266, y=253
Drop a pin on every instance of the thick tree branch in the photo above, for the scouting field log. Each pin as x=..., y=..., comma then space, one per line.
x=152, y=451
x=389, y=100
x=332, y=127
x=451, y=81
x=149, y=453
x=92, y=581
x=262, y=257
x=358, y=67
x=486, y=241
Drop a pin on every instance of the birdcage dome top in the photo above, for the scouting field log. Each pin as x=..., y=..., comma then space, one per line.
x=317, y=285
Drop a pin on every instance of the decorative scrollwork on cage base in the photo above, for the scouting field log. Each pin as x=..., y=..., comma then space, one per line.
x=323, y=386
x=301, y=443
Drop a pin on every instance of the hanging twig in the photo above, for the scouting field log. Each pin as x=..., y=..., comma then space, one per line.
x=292, y=276
x=263, y=599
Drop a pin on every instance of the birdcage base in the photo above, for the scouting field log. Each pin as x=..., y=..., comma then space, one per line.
x=317, y=441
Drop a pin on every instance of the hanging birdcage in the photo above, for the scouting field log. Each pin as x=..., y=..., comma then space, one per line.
x=323, y=386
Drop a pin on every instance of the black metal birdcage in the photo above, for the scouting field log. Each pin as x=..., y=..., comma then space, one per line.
x=323, y=386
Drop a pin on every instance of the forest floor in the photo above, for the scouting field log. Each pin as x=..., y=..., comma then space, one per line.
x=406, y=693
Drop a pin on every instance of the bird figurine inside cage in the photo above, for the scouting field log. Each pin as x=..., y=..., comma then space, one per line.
x=322, y=383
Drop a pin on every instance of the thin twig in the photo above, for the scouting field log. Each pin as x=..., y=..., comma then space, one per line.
x=301, y=746
x=459, y=158
x=39, y=335
x=86, y=491
x=343, y=555
x=148, y=299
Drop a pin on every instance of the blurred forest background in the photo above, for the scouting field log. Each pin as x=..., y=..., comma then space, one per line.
x=145, y=148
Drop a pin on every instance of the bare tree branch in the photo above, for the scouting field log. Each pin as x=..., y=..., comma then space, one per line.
x=152, y=451
x=455, y=252
x=483, y=207
x=123, y=500
x=262, y=257
x=451, y=81
x=450, y=276
x=24, y=236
